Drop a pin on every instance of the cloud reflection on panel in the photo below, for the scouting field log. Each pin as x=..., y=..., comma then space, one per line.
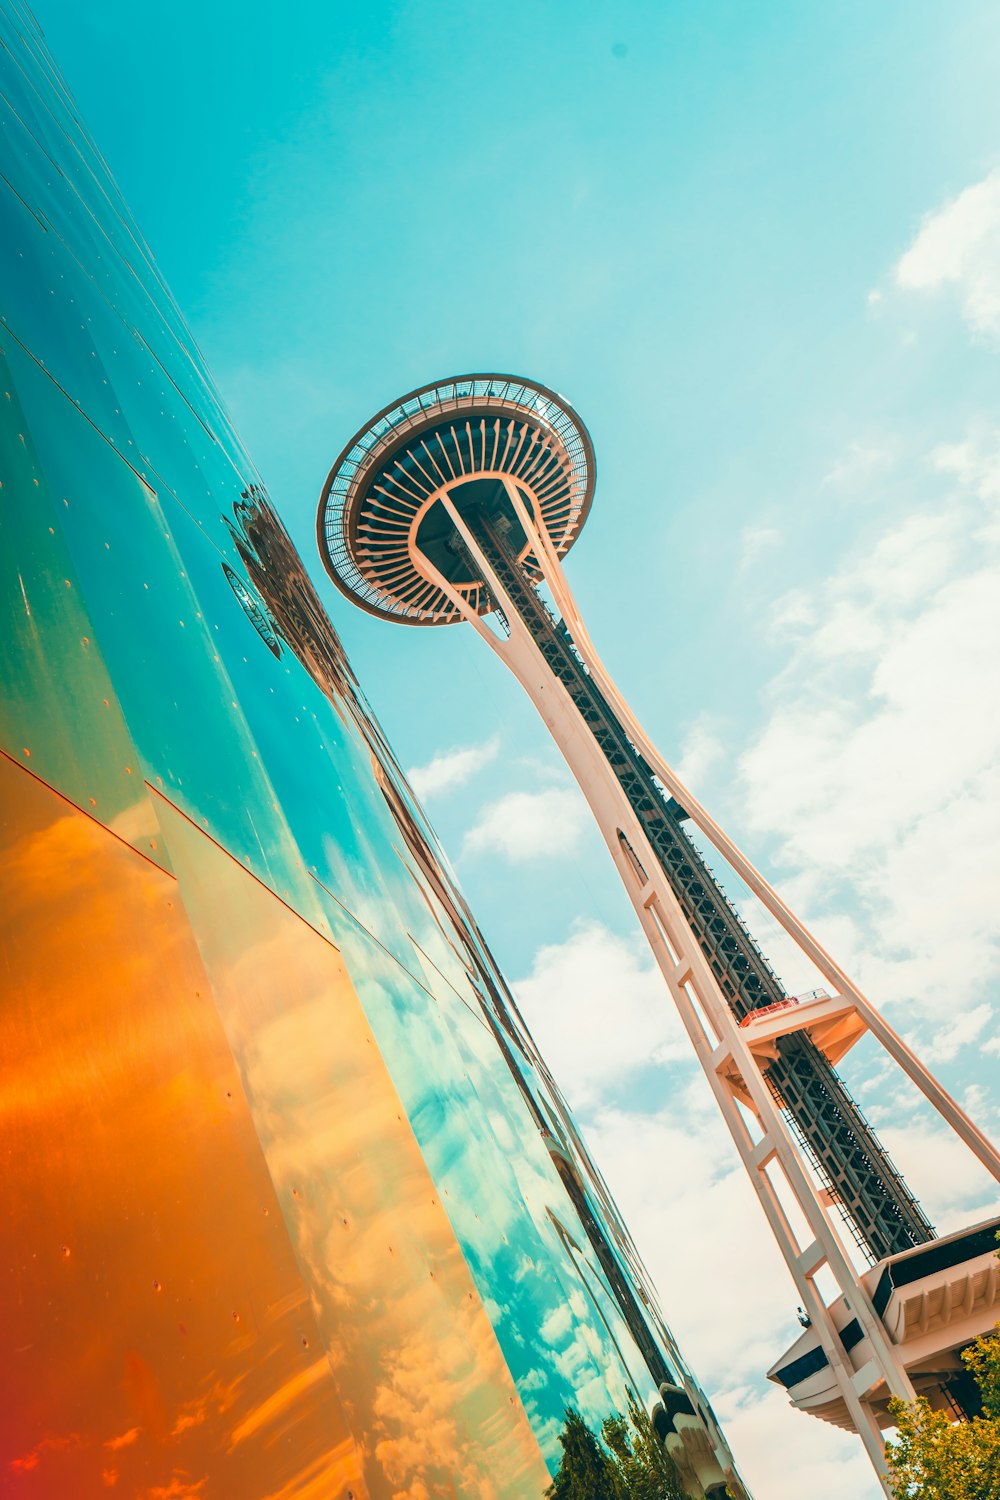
x=397, y=1310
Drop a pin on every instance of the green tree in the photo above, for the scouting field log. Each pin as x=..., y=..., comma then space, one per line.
x=585, y=1469
x=983, y=1359
x=631, y=1465
x=932, y=1458
x=646, y=1471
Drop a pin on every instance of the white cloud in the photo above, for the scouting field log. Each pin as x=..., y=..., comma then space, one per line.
x=815, y=1459
x=974, y=462
x=952, y=1185
x=792, y=612
x=958, y=1032
x=701, y=752
x=880, y=759
x=755, y=540
x=857, y=465
x=530, y=825
x=959, y=245
x=600, y=1011
x=451, y=768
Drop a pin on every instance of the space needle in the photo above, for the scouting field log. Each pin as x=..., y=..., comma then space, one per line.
x=455, y=504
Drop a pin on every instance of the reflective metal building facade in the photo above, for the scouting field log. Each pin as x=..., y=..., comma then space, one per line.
x=292, y=1207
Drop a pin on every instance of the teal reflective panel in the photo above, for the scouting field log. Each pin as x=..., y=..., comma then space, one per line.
x=59, y=712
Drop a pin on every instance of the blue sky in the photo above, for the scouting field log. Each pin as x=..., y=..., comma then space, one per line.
x=758, y=247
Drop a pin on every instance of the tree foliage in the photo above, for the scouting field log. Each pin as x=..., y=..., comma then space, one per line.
x=585, y=1469
x=983, y=1359
x=630, y=1465
x=933, y=1458
x=646, y=1471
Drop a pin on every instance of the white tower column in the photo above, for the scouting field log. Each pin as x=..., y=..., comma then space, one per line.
x=759, y=1132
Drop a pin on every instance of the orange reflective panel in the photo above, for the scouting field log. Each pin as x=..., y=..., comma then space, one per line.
x=159, y=1340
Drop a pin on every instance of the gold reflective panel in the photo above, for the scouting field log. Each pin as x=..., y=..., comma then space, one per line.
x=158, y=1338
x=413, y=1352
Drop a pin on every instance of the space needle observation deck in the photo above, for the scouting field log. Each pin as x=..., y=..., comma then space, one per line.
x=386, y=527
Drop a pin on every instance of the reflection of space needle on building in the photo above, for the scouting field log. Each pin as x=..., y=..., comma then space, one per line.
x=388, y=502
x=455, y=504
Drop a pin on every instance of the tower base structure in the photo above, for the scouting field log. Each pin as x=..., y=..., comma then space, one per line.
x=932, y=1302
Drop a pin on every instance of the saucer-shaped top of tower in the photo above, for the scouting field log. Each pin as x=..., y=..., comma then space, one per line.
x=383, y=531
